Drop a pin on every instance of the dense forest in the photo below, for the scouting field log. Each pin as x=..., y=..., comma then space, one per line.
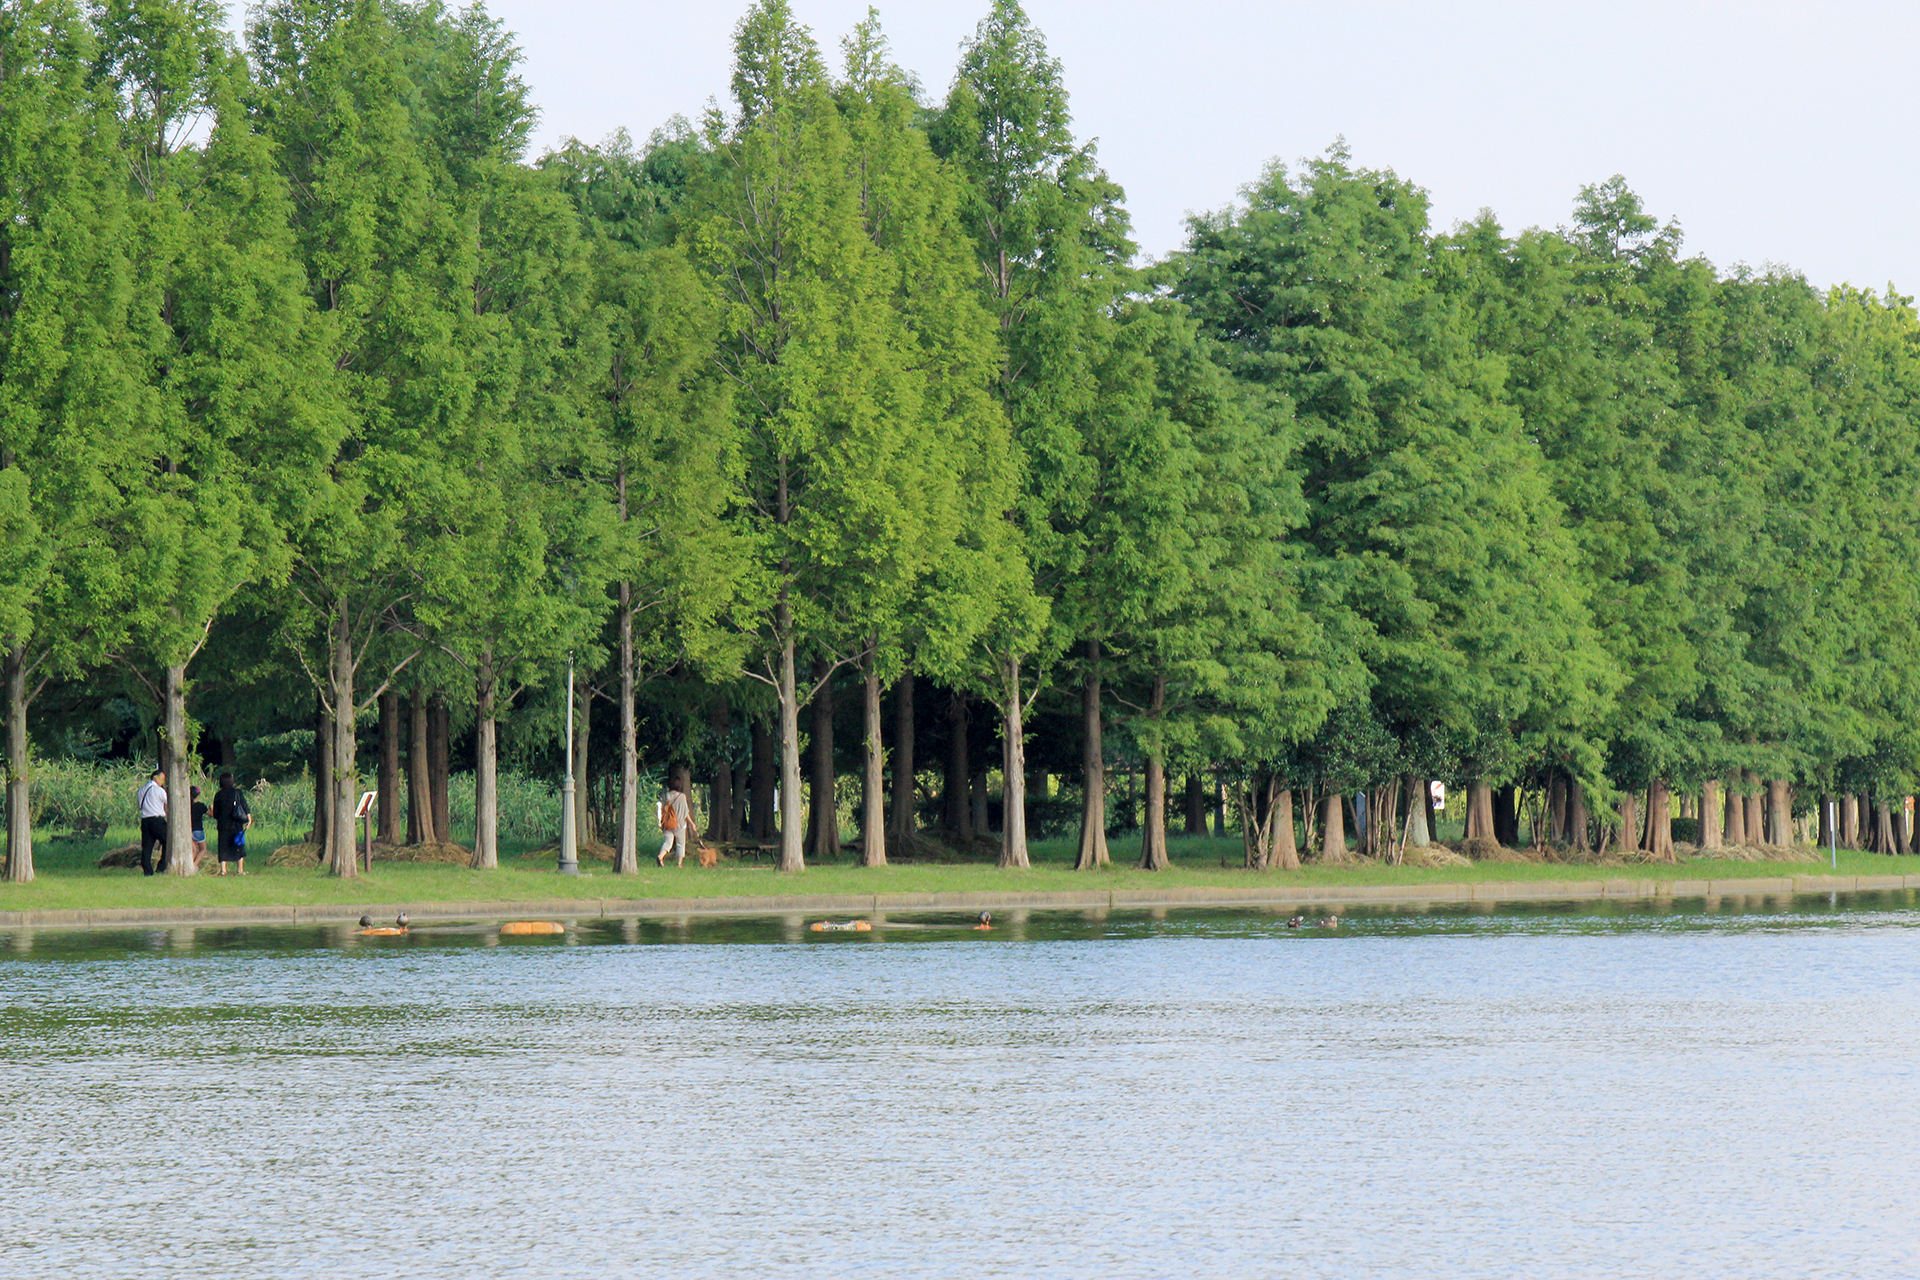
x=840, y=437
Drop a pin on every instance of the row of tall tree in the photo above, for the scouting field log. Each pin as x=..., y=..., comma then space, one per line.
x=310, y=380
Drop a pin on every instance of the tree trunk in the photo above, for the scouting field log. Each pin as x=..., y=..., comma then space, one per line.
x=873, y=797
x=1735, y=819
x=1506, y=818
x=1195, y=799
x=322, y=774
x=792, y=833
x=1013, y=769
x=486, y=778
x=954, y=794
x=766, y=824
x=179, y=767
x=1417, y=834
x=1557, y=808
x=823, y=812
x=1577, y=816
x=342, y=858
x=1627, y=838
x=19, y=771
x=1779, y=813
x=1660, y=822
x=626, y=832
x=720, y=819
x=900, y=821
x=1882, y=827
x=582, y=738
x=1286, y=853
x=1850, y=821
x=1333, y=839
x=1093, y=770
x=1480, y=812
x=1153, y=829
x=420, y=828
x=1711, y=815
x=439, y=732
x=1828, y=835
x=1756, y=816
x=389, y=825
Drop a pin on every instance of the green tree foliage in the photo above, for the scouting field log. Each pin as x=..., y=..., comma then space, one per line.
x=235, y=416
x=1429, y=506
x=305, y=367
x=68, y=372
x=391, y=255
x=1050, y=243
x=854, y=351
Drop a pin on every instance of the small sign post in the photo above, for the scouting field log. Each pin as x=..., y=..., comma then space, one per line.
x=364, y=812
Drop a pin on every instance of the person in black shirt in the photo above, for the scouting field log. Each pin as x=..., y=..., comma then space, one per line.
x=232, y=818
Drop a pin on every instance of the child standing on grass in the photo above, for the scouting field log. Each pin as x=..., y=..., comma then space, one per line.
x=197, y=811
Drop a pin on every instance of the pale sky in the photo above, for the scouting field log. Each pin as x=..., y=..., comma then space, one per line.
x=1775, y=132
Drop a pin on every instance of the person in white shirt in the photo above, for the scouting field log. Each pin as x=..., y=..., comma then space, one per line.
x=153, y=822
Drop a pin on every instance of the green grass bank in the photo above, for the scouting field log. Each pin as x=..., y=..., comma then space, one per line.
x=68, y=882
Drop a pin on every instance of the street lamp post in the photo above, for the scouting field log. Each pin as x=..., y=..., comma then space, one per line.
x=569, y=837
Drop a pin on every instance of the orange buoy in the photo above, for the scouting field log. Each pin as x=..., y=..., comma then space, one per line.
x=837, y=926
x=384, y=931
x=532, y=926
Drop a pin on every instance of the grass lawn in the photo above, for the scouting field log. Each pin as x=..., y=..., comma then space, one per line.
x=68, y=880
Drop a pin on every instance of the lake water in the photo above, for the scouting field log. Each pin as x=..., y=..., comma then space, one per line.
x=1699, y=1089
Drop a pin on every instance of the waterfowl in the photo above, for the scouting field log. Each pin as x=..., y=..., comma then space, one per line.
x=400, y=921
x=986, y=920
x=1331, y=922
x=366, y=922
x=1296, y=922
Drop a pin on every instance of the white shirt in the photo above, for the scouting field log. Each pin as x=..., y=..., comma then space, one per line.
x=153, y=800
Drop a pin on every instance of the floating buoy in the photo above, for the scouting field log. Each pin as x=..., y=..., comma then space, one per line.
x=384, y=931
x=841, y=926
x=532, y=926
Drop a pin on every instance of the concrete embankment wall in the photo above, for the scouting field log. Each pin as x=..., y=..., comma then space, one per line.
x=1302, y=896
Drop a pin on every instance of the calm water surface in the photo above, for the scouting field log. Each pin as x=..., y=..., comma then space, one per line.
x=1701, y=1089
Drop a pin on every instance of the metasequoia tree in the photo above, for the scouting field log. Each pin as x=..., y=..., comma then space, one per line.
x=810, y=225
x=662, y=440
x=390, y=263
x=234, y=409
x=1321, y=290
x=510, y=576
x=1049, y=239
x=67, y=369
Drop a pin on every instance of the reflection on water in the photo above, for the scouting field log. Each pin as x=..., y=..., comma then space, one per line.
x=1620, y=1089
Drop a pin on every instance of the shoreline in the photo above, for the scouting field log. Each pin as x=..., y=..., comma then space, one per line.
x=1490, y=892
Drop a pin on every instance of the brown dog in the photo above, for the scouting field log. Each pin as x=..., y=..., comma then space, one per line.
x=709, y=856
